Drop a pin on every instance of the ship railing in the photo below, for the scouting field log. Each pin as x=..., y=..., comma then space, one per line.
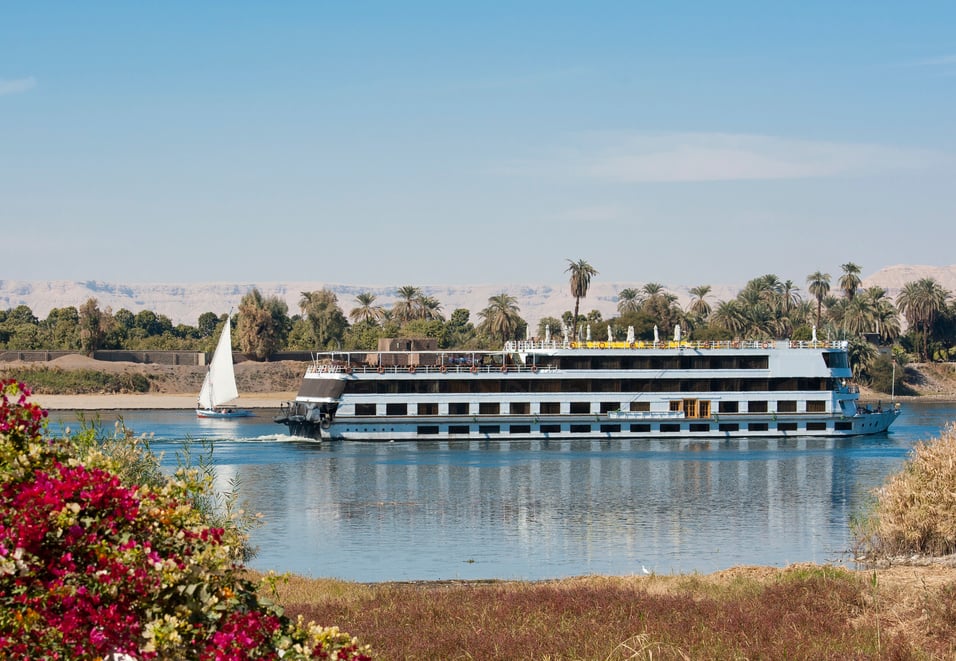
x=326, y=368
x=522, y=346
x=428, y=369
x=847, y=389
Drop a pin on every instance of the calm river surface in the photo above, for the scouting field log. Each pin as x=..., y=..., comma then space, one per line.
x=536, y=510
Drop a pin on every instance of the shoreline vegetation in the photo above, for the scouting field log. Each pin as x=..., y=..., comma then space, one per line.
x=802, y=611
x=900, y=606
x=904, y=609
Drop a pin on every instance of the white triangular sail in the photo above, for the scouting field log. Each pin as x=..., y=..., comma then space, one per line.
x=220, y=384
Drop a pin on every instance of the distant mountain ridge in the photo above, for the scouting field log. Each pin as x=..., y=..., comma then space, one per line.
x=184, y=302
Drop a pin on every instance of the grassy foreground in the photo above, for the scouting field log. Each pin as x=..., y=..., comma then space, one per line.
x=800, y=612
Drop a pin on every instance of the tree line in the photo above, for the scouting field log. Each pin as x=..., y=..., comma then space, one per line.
x=766, y=308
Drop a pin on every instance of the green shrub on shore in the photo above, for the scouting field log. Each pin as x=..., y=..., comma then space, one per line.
x=53, y=380
x=914, y=513
x=93, y=564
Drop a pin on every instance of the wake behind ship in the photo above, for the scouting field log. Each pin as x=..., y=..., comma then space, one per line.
x=410, y=390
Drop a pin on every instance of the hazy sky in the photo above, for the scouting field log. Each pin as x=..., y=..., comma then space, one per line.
x=448, y=142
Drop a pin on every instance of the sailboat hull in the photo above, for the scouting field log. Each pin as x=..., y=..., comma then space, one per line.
x=224, y=413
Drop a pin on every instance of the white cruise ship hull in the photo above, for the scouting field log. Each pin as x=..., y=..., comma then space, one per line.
x=534, y=391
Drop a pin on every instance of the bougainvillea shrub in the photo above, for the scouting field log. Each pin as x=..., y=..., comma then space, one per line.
x=91, y=566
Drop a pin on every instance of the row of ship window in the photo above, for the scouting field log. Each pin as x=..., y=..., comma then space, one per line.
x=636, y=428
x=692, y=408
x=571, y=385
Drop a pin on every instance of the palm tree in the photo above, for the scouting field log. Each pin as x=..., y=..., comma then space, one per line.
x=698, y=305
x=407, y=307
x=886, y=321
x=581, y=274
x=628, y=301
x=366, y=310
x=850, y=281
x=652, y=289
x=862, y=354
x=789, y=297
x=857, y=316
x=430, y=308
x=501, y=318
x=729, y=315
x=767, y=289
x=919, y=302
x=801, y=314
x=818, y=284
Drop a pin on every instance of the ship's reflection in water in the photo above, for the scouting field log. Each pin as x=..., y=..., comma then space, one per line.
x=534, y=510
x=546, y=509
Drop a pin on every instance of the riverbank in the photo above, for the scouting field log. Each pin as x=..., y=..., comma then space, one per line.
x=151, y=401
x=261, y=385
x=802, y=611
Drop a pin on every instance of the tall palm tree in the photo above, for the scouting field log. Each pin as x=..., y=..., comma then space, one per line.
x=366, y=310
x=919, y=302
x=850, y=281
x=407, y=307
x=789, y=296
x=818, y=284
x=501, y=318
x=581, y=274
x=628, y=301
x=652, y=289
x=886, y=320
x=698, y=305
x=430, y=308
x=857, y=316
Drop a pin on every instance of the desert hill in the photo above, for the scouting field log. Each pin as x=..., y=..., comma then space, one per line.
x=184, y=302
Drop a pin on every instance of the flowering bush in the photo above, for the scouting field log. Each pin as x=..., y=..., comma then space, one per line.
x=91, y=566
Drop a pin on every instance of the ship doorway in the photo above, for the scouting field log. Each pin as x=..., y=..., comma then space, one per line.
x=692, y=408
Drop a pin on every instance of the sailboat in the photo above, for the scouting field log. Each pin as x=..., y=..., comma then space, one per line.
x=219, y=387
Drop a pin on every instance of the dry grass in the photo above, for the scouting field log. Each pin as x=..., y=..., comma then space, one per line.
x=915, y=512
x=800, y=612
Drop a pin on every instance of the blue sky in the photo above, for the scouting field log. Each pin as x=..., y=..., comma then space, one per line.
x=432, y=143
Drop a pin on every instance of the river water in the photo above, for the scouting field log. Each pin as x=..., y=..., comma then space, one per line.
x=544, y=509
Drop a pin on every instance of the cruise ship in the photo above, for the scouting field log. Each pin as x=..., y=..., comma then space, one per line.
x=411, y=390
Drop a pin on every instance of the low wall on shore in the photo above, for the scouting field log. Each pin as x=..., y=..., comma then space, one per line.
x=144, y=357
